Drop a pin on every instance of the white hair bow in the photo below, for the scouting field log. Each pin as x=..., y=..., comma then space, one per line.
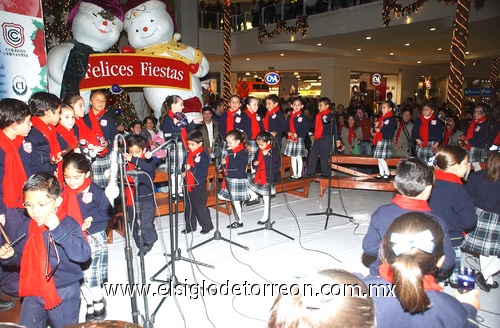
x=404, y=243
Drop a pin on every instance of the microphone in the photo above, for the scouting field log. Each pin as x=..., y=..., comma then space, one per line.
x=112, y=191
x=150, y=153
x=171, y=135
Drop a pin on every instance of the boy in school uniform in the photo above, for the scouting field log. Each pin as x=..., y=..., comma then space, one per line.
x=51, y=291
x=325, y=127
x=15, y=167
x=414, y=180
x=136, y=161
x=46, y=112
x=195, y=173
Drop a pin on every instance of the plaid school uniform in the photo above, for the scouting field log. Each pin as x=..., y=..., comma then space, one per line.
x=383, y=139
x=485, y=239
x=257, y=186
x=477, y=154
x=96, y=270
x=235, y=186
x=296, y=149
x=383, y=149
x=425, y=153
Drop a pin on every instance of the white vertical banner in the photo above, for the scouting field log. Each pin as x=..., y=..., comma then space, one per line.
x=22, y=49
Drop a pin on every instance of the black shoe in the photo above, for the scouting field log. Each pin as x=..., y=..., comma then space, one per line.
x=6, y=305
x=186, y=231
x=89, y=316
x=494, y=285
x=386, y=177
x=205, y=231
x=261, y=222
x=146, y=248
x=379, y=177
x=235, y=225
x=14, y=295
x=252, y=202
x=100, y=314
x=310, y=174
x=481, y=282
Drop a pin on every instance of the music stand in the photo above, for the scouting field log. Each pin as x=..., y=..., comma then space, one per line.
x=217, y=234
x=269, y=224
x=329, y=211
x=175, y=255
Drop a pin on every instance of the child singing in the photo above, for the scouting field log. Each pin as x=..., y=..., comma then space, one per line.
x=382, y=139
x=296, y=131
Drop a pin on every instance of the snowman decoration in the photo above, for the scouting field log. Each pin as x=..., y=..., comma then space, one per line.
x=96, y=26
x=150, y=29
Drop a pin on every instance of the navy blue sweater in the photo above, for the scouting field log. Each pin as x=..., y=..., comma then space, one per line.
x=199, y=169
x=329, y=126
x=242, y=122
x=168, y=126
x=237, y=164
x=435, y=130
x=274, y=166
x=480, y=135
x=277, y=123
x=301, y=125
x=484, y=193
x=379, y=224
x=445, y=312
x=388, y=128
x=94, y=203
x=71, y=245
x=108, y=128
x=41, y=152
x=148, y=166
x=451, y=202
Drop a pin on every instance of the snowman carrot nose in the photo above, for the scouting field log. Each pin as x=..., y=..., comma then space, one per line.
x=105, y=23
x=145, y=29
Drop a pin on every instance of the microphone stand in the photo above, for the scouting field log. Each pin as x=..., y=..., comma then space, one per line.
x=128, y=248
x=175, y=255
x=217, y=234
x=269, y=224
x=147, y=320
x=329, y=210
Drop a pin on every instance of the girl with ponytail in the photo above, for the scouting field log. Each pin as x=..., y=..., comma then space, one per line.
x=411, y=251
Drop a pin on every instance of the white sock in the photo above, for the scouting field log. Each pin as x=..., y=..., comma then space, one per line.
x=97, y=297
x=380, y=168
x=300, y=166
x=87, y=296
x=293, y=161
x=385, y=167
x=265, y=216
x=490, y=265
x=252, y=194
x=237, y=209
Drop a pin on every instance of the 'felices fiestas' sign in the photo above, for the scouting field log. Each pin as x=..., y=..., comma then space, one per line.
x=131, y=70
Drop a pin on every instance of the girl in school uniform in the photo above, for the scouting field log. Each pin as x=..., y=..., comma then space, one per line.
x=451, y=201
x=382, y=139
x=234, y=186
x=266, y=164
x=296, y=130
x=427, y=132
x=256, y=126
x=475, y=138
x=81, y=193
x=174, y=122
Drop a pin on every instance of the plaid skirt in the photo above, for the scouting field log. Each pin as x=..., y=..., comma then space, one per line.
x=451, y=274
x=95, y=270
x=238, y=189
x=259, y=189
x=485, y=239
x=99, y=167
x=181, y=155
x=383, y=149
x=252, y=149
x=295, y=149
x=425, y=153
x=477, y=154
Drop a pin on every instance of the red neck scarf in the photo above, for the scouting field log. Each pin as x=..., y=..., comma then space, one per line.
x=85, y=133
x=49, y=132
x=424, y=129
x=447, y=135
x=14, y=175
x=411, y=204
x=96, y=128
x=238, y=148
x=292, y=125
x=268, y=115
x=446, y=176
x=182, y=130
x=230, y=119
x=378, y=135
x=398, y=133
x=68, y=135
x=428, y=281
x=255, y=123
x=318, y=128
x=470, y=130
x=190, y=181
x=71, y=204
x=351, y=135
x=32, y=281
x=260, y=173
x=497, y=139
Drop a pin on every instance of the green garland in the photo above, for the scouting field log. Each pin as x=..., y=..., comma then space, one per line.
x=300, y=25
x=399, y=10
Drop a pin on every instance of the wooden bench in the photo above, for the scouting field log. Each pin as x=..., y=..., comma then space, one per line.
x=293, y=186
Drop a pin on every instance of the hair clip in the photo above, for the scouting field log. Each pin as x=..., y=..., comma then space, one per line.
x=404, y=243
x=432, y=161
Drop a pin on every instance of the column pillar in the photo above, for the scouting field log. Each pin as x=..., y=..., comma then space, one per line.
x=187, y=21
x=335, y=84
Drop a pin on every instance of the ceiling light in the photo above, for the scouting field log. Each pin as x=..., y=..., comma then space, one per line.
x=407, y=44
x=466, y=52
x=255, y=76
x=419, y=62
x=295, y=73
x=432, y=29
x=247, y=73
x=297, y=76
x=359, y=49
x=319, y=44
x=368, y=38
x=391, y=54
x=319, y=77
x=248, y=58
x=282, y=55
x=439, y=49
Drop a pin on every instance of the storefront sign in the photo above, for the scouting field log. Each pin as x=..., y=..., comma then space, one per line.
x=376, y=79
x=272, y=78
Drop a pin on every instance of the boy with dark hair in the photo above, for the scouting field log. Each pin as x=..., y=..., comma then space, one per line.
x=51, y=291
x=195, y=172
x=46, y=112
x=137, y=162
x=325, y=127
x=414, y=180
x=15, y=167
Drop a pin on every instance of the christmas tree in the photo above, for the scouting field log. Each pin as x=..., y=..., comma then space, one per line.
x=119, y=107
